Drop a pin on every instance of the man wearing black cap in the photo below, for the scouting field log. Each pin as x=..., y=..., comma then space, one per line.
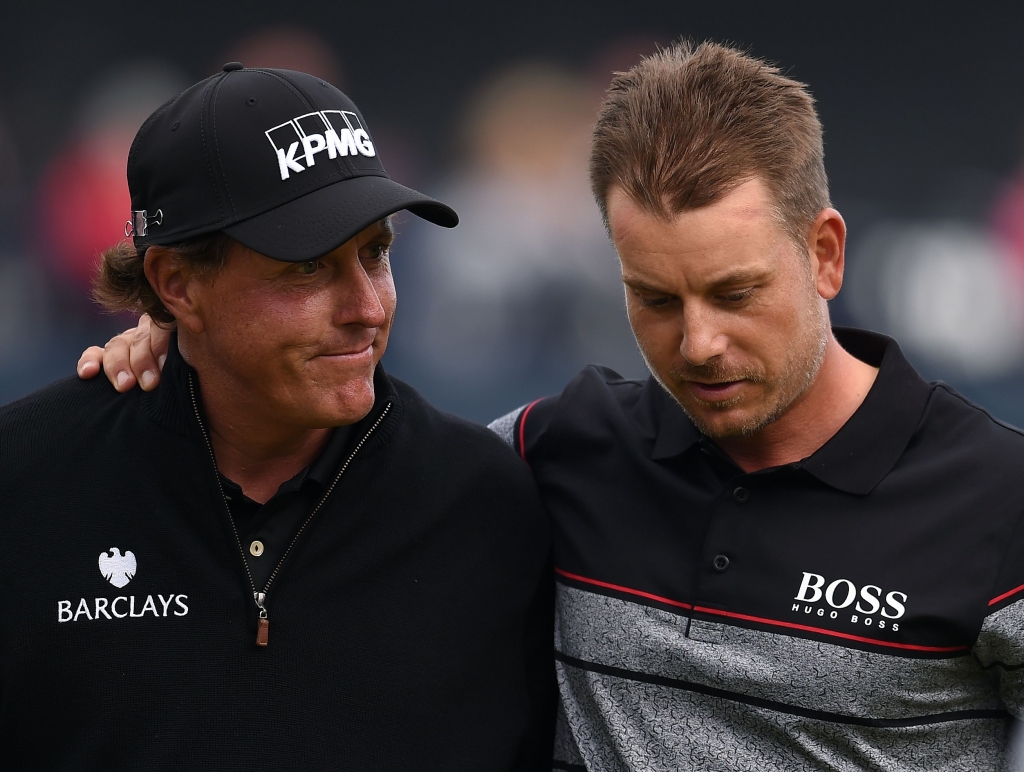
x=309, y=567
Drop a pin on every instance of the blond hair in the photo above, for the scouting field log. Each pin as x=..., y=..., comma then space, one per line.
x=688, y=124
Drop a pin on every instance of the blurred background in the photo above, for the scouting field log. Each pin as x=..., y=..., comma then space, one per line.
x=489, y=107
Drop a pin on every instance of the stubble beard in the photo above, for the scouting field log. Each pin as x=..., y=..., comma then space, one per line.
x=803, y=361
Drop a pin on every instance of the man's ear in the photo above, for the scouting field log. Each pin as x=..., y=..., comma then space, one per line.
x=826, y=246
x=174, y=282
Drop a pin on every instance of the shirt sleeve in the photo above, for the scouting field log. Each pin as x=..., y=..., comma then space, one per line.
x=525, y=428
x=1000, y=644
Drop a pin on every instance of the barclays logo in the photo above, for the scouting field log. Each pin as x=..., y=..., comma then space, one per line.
x=119, y=569
x=116, y=568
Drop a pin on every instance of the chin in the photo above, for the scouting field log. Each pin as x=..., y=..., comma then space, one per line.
x=330, y=416
x=723, y=423
x=718, y=429
x=347, y=401
x=353, y=404
x=729, y=424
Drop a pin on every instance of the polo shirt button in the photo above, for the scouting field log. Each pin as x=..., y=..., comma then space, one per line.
x=256, y=548
x=741, y=494
x=720, y=563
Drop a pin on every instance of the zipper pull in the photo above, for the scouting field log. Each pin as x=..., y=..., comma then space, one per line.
x=262, y=624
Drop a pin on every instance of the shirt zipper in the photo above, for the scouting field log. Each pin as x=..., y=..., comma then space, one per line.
x=260, y=598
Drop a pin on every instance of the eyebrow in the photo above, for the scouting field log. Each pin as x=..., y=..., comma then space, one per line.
x=743, y=276
x=638, y=284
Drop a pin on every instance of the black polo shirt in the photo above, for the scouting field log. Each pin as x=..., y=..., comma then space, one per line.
x=858, y=609
x=266, y=530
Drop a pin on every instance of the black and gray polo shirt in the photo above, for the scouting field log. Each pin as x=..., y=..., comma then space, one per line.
x=860, y=609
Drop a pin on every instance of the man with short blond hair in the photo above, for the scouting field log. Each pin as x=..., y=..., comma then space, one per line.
x=784, y=550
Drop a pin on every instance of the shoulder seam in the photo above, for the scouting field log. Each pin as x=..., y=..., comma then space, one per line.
x=995, y=598
x=954, y=393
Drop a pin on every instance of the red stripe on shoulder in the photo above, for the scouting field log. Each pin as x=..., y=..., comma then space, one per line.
x=1006, y=595
x=522, y=428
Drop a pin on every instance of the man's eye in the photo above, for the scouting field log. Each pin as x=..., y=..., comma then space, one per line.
x=377, y=251
x=654, y=302
x=308, y=268
x=736, y=297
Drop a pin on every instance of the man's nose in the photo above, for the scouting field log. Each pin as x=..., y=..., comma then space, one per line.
x=359, y=302
x=702, y=338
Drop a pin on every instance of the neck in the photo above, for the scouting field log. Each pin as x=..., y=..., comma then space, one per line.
x=251, y=446
x=838, y=389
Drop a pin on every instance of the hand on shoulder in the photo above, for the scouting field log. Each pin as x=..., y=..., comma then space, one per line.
x=136, y=356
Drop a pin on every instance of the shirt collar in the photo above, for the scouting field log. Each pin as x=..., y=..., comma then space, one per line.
x=320, y=472
x=867, y=446
x=326, y=465
x=673, y=431
x=870, y=443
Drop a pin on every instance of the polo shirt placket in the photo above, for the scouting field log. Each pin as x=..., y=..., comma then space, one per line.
x=266, y=530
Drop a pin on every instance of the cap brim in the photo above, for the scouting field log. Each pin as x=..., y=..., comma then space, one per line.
x=321, y=221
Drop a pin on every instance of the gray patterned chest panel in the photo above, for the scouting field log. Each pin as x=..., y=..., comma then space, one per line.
x=639, y=692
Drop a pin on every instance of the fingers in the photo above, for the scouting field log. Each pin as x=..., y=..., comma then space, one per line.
x=117, y=361
x=90, y=362
x=142, y=360
x=136, y=356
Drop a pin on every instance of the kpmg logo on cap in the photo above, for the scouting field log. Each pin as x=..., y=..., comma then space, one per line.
x=337, y=131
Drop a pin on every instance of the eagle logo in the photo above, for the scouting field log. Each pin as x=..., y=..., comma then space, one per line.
x=116, y=568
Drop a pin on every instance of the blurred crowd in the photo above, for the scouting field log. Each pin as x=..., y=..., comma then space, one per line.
x=949, y=286
x=509, y=305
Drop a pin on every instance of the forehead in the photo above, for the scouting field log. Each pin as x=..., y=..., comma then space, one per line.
x=739, y=231
x=746, y=208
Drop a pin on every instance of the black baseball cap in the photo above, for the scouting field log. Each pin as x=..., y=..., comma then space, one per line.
x=279, y=160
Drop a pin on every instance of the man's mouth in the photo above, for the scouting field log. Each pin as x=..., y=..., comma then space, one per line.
x=352, y=354
x=715, y=392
